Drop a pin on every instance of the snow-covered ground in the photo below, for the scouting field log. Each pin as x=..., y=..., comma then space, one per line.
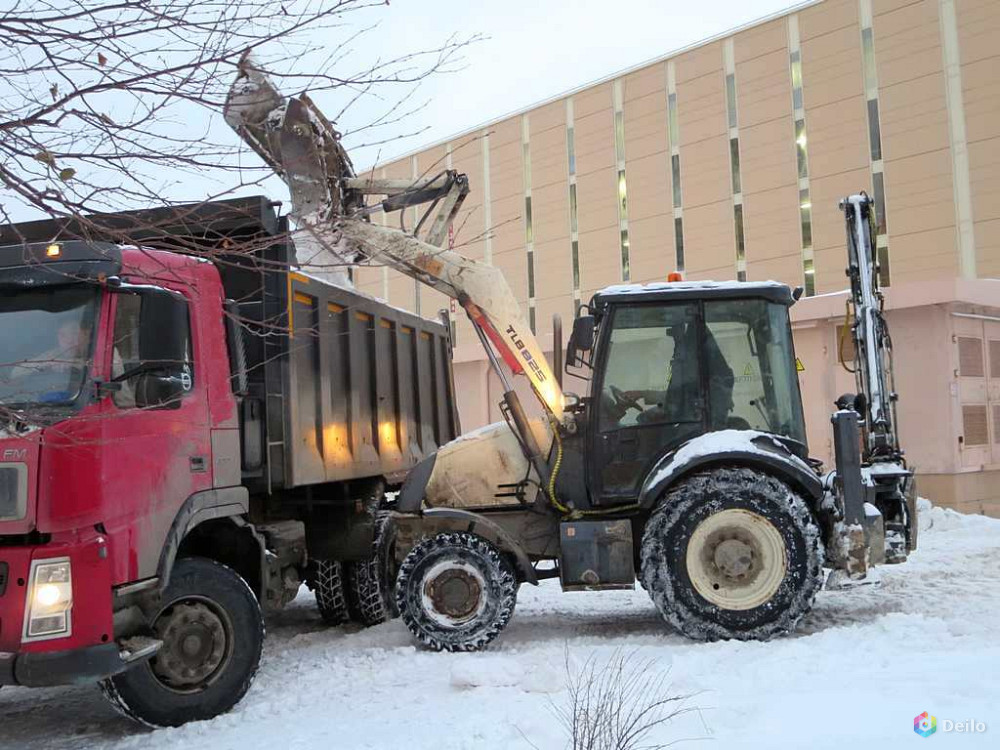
x=862, y=665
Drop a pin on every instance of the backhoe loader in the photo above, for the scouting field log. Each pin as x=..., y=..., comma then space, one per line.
x=685, y=466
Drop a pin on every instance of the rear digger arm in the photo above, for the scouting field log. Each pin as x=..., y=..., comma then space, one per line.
x=329, y=208
x=875, y=486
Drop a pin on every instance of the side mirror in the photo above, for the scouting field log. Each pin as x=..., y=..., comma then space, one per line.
x=580, y=340
x=154, y=391
x=163, y=330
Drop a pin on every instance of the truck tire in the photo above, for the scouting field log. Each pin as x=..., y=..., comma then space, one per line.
x=732, y=553
x=370, y=598
x=212, y=630
x=456, y=592
x=327, y=581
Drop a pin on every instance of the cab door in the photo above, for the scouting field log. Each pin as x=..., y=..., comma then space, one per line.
x=648, y=394
x=155, y=455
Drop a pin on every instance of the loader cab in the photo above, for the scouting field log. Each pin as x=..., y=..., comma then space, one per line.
x=670, y=362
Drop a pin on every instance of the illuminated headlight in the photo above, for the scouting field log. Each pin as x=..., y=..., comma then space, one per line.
x=50, y=599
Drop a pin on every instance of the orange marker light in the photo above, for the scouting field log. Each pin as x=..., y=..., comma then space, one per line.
x=675, y=276
x=53, y=251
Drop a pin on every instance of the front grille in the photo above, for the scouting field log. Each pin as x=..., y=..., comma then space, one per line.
x=3, y=578
x=11, y=487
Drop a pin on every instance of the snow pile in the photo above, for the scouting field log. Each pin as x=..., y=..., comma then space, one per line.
x=860, y=667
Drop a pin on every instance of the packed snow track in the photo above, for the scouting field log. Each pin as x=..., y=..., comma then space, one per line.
x=860, y=667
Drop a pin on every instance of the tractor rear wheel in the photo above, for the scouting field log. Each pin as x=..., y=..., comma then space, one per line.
x=456, y=592
x=732, y=553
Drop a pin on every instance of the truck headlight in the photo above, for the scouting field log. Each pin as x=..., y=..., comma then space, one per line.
x=50, y=600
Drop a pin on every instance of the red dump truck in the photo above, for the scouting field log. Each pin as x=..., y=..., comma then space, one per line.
x=190, y=428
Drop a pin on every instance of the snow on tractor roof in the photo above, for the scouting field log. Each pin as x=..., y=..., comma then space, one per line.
x=663, y=290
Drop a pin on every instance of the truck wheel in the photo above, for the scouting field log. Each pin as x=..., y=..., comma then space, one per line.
x=732, y=553
x=370, y=582
x=212, y=630
x=327, y=581
x=456, y=592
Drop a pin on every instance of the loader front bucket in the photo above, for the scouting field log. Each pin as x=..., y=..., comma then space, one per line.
x=295, y=140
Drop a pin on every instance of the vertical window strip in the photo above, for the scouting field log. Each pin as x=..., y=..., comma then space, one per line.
x=801, y=145
x=805, y=217
x=571, y=149
x=414, y=174
x=679, y=242
x=796, y=63
x=731, y=95
x=674, y=130
x=674, y=145
x=574, y=225
x=741, y=253
x=487, y=201
x=675, y=173
x=618, y=100
x=385, y=269
x=878, y=182
x=529, y=233
x=575, y=251
x=622, y=195
x=734, y=162
x=531, y=273
x=729, y=63
x=870, y=73
x=528, y=230
x=449, y=163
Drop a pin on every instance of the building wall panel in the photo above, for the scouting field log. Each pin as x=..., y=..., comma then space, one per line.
x=915, y=141
x=709, y=241
x=978, y=30
x=764, y=89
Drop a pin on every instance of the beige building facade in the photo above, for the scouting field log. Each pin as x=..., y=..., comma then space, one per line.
x=727, y=160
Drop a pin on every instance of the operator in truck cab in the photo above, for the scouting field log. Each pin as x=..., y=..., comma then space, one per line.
x=682, y=381
x=47, y=375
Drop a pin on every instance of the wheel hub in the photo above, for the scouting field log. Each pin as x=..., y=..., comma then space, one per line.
x=453, y=593
x=195, y=645
x=736, y=559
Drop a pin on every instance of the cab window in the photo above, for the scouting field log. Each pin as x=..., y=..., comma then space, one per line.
x=126, y=357
x=752, y=380
x=652, y=370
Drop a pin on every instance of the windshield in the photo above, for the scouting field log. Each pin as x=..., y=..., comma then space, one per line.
x=753, y=382
x=46, y=336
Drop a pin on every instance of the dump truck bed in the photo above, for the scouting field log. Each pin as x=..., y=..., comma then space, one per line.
x=341, y=386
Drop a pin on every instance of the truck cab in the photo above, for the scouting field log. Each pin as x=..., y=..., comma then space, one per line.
x=108, y=427
x=190, y=429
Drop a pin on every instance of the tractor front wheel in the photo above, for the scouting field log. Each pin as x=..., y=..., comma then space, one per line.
x=456, y=592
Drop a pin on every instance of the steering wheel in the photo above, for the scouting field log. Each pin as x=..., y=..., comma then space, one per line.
x=622, y=400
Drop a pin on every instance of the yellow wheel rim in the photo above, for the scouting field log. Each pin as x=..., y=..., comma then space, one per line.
x=736, y=559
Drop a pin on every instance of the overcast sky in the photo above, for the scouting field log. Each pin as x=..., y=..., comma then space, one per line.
x=538, y=49
x=531, y=50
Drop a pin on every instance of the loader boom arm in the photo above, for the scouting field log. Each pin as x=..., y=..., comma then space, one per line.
x=329, y=205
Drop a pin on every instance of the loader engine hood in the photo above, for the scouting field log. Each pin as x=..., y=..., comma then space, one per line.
x=468, y=472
